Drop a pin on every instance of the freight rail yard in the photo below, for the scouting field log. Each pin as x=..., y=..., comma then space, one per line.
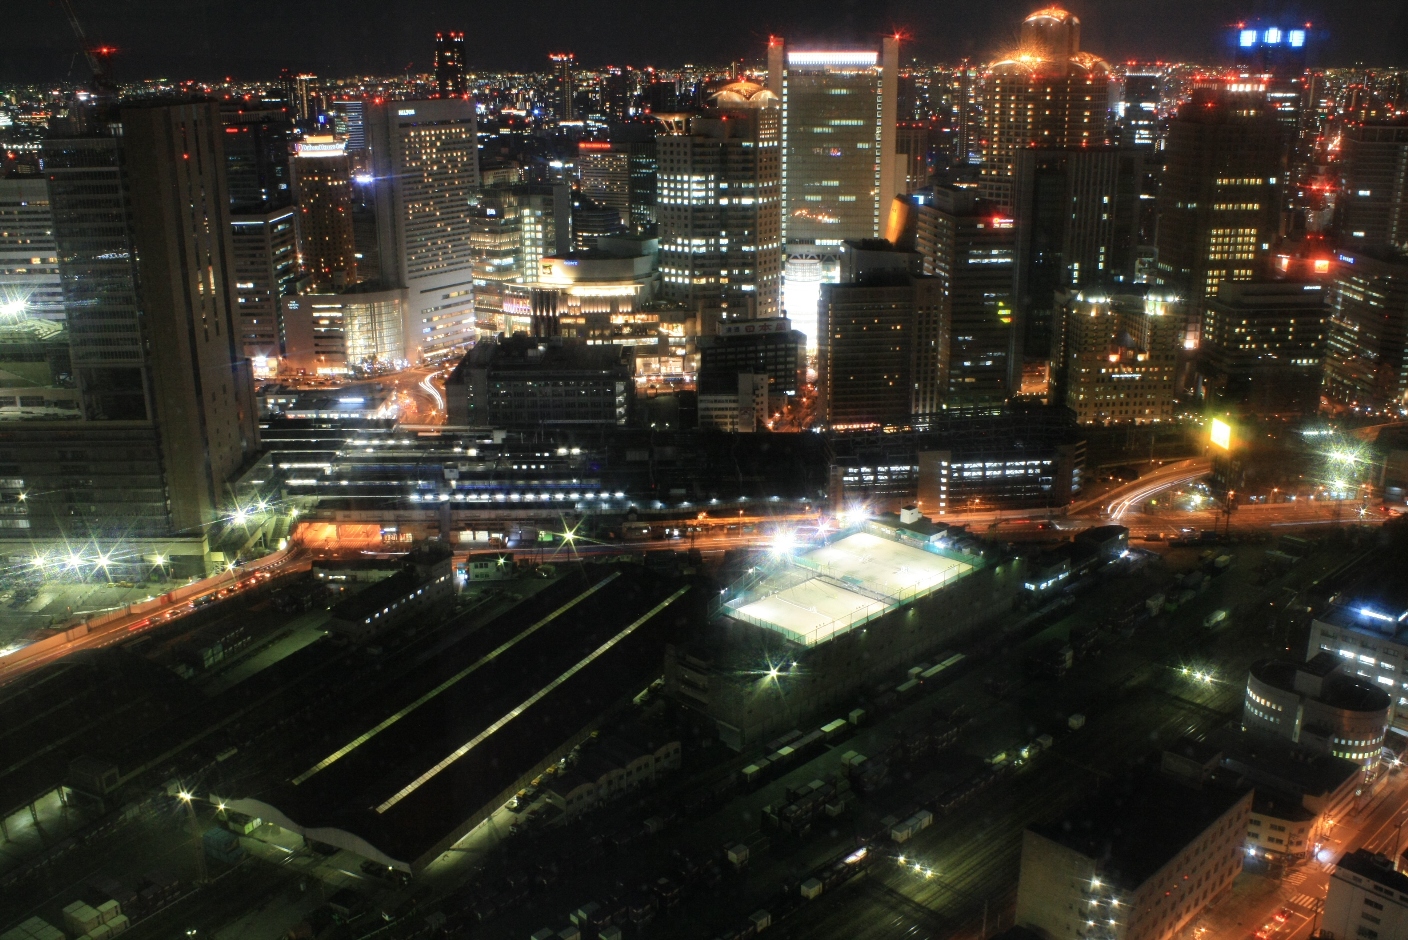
x=509, y=761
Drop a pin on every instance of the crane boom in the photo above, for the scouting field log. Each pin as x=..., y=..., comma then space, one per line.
x=95, y=55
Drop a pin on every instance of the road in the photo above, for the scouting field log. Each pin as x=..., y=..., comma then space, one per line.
x=118, y=629
x=1298, y=894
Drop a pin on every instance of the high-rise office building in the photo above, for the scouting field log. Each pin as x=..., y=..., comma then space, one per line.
x=142, y=223
x=620, y=174
x=264, y=262
x=1264, y=49
x=322, y=182
x=1220, y=200
x=969, y=245
x=350, y=119
x=879, y=356
x=449, y=65
x=1138, y=109
x=1366, y=347
x=425, y=162
x=1122, y=344
x=1264, y=347
x=838, y=140
x=1077, y=216
x=564, y=85
x=30, y=286
x=1047, y=93
x=604, y=175
x=1373, y=192
x=257, y=142
x=264, y=267
x=912, y=144
x=545, y=225
x=720, y=207
x=839, y=167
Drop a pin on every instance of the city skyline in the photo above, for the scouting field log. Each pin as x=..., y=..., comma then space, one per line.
x=211, y=42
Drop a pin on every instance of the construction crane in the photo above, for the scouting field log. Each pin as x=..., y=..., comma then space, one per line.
x=97, y=56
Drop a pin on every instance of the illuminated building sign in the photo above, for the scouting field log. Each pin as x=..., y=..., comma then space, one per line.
x=833, y=58
x=1221, y=434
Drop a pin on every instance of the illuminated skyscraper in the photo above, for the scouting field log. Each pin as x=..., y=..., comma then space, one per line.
x=1366, y=354
x=839, y=166
x=1046, y=93
x=1139, y=109
x=350, y=116
x=322, y=182
x=1373, y=207
x=29, y=259
x=1220, y=200
x=1121, y=355
x=969, y=246
x=720, y=207
x=264, y=242
x=881, y=356
x=564, y=85
x=449, y=65
x=425, y=161
x=142, y=223
x=1263, y=348
x=1077, y=217
x=604, y=172
x=257, y=157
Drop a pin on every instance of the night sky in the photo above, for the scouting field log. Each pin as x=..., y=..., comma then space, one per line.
x=245, y=39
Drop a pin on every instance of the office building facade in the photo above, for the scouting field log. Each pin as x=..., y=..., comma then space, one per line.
x=264, y=265
x=1366, y=344
x=1096, y=872
x=425, y=160
x=1076, y=213
x=523, y=382
x=30, y=286
x=142, y=223
x=1373, y=192
x=969, y=245
x=1046, y=94
x=1367, y=899
x=719, y=205
x=322, y=185
x=880, y=356
x=1220, y=200
x=1263, y=348
x=1121, y=355
x=449, y=65
x=838, y=140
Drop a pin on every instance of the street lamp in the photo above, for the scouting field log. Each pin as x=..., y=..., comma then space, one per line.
x=188, y=799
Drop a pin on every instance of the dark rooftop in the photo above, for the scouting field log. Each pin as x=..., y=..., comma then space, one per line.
x=524, y=353
x=1272, y=762
x=346, y=794
x=1338, y=690
x=1112, y=827
x=1377, y=868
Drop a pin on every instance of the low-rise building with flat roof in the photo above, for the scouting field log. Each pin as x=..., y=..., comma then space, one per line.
x=1367, y=627
x=523, y=382
x=425, y=583
x=1320, y=706
x=1136, y=860
x=1367, y=900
